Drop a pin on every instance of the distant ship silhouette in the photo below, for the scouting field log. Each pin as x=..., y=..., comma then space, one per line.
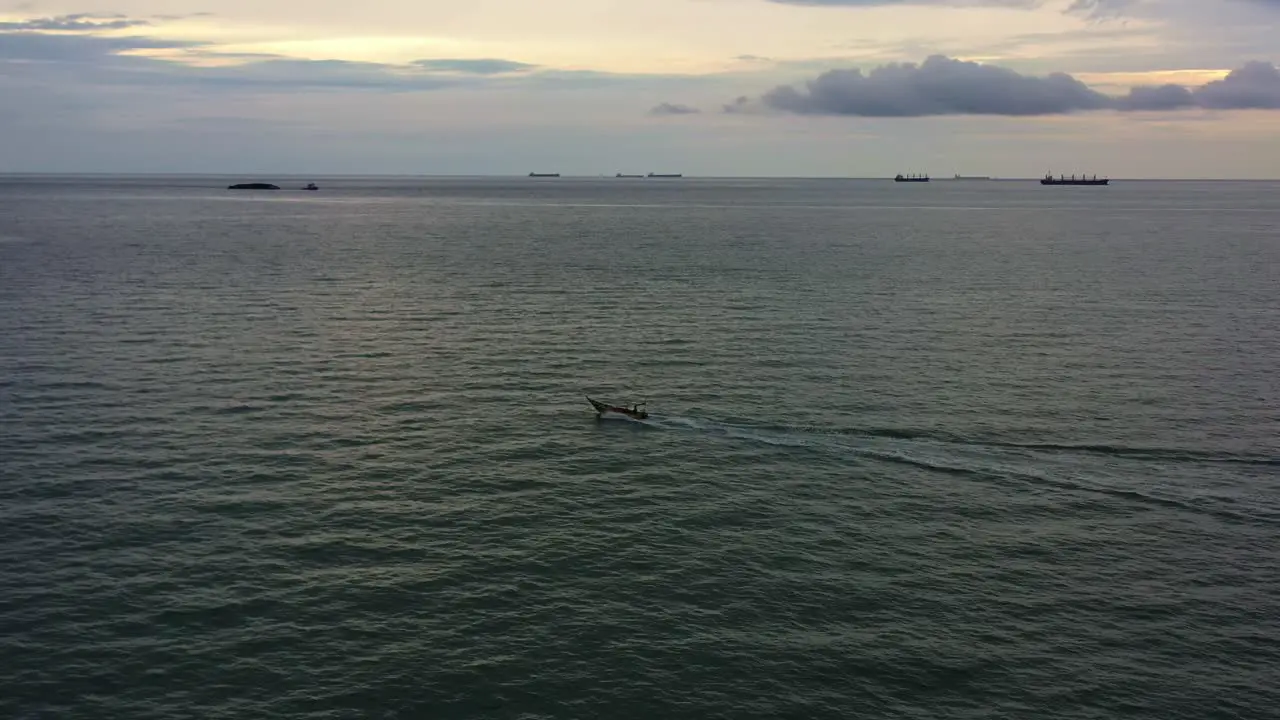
x=1049, y=179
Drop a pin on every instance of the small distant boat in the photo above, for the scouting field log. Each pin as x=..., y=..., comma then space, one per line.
x=311, y=186
x=253, y=186
x=533, y=174
x=1049, y=179
x=665, y=175
x=973, y=177
x=910, y=178
x=603, y=410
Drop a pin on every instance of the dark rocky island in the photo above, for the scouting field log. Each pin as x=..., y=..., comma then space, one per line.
x=253, y=186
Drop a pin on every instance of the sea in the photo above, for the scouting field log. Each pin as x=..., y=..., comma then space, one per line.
x=963, y=449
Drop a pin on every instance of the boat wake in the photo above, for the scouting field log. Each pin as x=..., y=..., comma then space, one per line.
x=913, y=450
x=1089, y=469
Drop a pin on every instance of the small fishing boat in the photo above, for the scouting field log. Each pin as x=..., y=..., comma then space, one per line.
x=635, y=412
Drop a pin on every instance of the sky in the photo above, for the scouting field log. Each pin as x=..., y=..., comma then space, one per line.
x=802, y=88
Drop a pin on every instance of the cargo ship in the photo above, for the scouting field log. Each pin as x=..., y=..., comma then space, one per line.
x=623, y=175
x=664, y=175
x=973, y=177
x=544, y=174
x=1049, y=179
x=910, y=178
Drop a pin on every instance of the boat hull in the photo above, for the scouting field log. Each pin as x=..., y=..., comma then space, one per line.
x=605, y=410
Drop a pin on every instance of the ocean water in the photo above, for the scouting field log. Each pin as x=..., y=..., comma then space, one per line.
x=955, y=450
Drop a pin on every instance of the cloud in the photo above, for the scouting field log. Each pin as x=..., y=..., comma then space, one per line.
x=945, y=86
x=483, y=66
x=1156, y=97
x=673, y=109
x=25, y=46
x=79, y=22
x=72, y=50
x=939, y=86
x=1254, y=86
x=77, y=60
x=64, y=58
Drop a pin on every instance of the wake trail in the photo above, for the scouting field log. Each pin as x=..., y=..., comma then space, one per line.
x=1097, y=449
x=983, y=461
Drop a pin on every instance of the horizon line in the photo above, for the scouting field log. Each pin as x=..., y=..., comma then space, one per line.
x=594, y=176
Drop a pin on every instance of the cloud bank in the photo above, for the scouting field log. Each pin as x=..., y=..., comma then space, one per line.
x=946, y=86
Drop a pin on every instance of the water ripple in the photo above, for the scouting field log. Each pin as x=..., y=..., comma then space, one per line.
x=330, y=457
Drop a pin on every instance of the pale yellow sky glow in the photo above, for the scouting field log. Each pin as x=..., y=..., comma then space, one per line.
x=1119, y=81
x=619, y=36
x=653, y=36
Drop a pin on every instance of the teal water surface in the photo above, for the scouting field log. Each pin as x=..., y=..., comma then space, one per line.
x=963, y=449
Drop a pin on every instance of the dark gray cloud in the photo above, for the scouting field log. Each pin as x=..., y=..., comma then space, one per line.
x=938, y=86
x=1254, y=86
x=945, y=86
x=79, y=22
x=481, y=66
x=1156, y=97
x=673, y=109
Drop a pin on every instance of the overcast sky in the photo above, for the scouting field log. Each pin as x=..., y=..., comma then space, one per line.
x=857, y=88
